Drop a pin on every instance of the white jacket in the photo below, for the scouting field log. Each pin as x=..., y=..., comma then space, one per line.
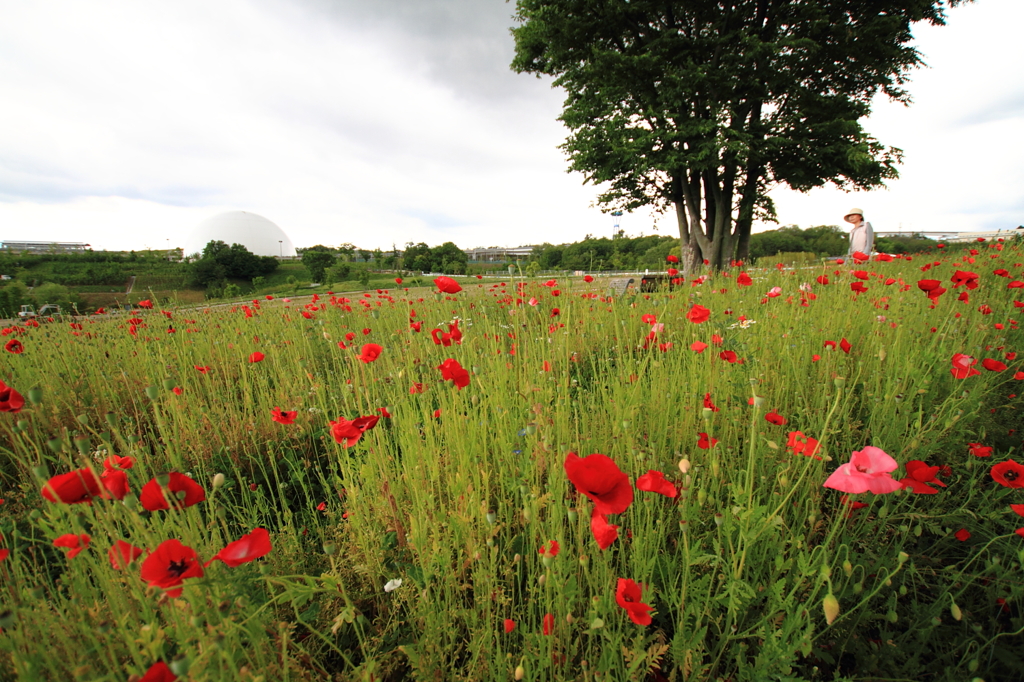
x=862, y=238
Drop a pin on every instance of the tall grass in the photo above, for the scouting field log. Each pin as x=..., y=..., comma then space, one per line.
x=457, y=490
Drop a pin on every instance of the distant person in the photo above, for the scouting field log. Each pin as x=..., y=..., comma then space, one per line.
x=862, y=237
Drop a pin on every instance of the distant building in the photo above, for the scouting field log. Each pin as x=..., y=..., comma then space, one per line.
x=45, y=247
x=498, y=253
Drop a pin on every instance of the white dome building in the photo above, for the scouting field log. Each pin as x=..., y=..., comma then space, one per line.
x=254, y=232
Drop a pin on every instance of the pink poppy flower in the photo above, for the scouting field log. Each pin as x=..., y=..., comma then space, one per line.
x=868, y=470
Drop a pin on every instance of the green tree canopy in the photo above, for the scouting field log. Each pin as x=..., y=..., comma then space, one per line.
x=220, y=261
x=701, y=106
x=317, y=260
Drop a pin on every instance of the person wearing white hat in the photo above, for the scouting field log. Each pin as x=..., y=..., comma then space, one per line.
x=862, y=237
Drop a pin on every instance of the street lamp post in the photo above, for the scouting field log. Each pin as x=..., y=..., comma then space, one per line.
x=280, y=243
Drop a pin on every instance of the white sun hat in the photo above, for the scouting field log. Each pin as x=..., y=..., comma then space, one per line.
x=853, y=211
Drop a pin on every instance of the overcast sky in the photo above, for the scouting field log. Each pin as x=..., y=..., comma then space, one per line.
x=379, y=122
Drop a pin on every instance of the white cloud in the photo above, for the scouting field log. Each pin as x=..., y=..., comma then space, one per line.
x=376, y=123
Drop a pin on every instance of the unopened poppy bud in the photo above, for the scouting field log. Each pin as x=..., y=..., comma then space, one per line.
x=218, y=481
x=181, y=494
x=572, y=515
x=596, y=624
x=152, y=392
x=570, y=620
x=626, y=424
x=702, y=497
x=82, y=419
x=491, y=517
x=527, y=515
x=55, y=444
x=758, y=401
x=542, y=579
x=375, y=313
x=531, y=429
x=684, y=466
x=516, y=559
x=179, y=665
x=169, y=384
x=41, y=471
x=111, y=420
x=330, y=548
x=35, y=514
x=133, y=439
x=955, y=611
x=130, y=501
x=82, y=444
x=584, y=560
x=830, y=605
x=840, y=382
x=847, y=568
x=520, y=671
x=784, y=481
x=22, y=425
x=474, y=399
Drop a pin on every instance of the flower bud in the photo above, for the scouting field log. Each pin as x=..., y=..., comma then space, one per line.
x=520, y=671
x=840, y=382
x=218, y=481
x=684, y=466
x=35, y=395
x=180, y=664
x=152, y=392
x=831, y=607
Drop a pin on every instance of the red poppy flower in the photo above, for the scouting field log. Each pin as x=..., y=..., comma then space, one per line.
x=654, y=482
x=845, y=345
x=417, y=388
x=510, y=625
x=822, y=279
x=384, y=412
x=672, y=258
x=698, y=314
x=588, y=279
x=283, y=417
x=122, y=554
x=256, y=357
x=963, y=366
x=398, y=280
x=1018, y=509
x=74, y=487
x=743, y=280
x=245, y=549
x=704, y=443
x=75, y=543
x=709, y=404
x=202, y=369
x=447, y=285
x=184, y=491
x=118, y=462
x=145, y=304
x=371, y=351
x=927, y=285
x=347, y=433
x=698, y=346
x=919, y=475
x=604, y=533
x=800, y=444
x=14, y=346
x=728, y=355
x=858, y=287
x=548, y=624
x=774, y=417
x=993, y=365
x=10, y=400
x=1009, y=474
x=452, y=371
x=628, y=595
x=169, y=565
x=159, y=672
x=599, y=478
x=963, y=535
x=968, y=279
x=116, y=483
x=549, y=550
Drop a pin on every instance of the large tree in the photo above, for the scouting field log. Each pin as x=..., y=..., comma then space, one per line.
x=702, y=105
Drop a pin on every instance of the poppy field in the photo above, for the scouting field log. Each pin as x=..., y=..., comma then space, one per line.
x=781, y=474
